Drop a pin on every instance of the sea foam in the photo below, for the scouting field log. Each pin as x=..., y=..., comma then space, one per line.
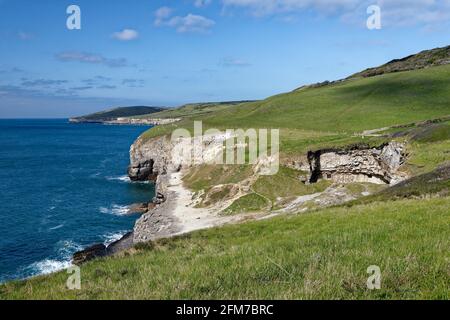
x=115, y=210
x=124, y=178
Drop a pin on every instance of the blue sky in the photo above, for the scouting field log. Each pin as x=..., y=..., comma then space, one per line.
x=166, y=53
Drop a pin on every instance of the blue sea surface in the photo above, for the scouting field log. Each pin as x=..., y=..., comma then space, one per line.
x=62, y=187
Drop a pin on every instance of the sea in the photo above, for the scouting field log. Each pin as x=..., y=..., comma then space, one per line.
x=63, y=187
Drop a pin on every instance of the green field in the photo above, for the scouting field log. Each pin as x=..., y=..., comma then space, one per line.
x=332, y=112
x=321, y=255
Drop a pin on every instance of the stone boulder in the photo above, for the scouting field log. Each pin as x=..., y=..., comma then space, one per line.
x=88, y=254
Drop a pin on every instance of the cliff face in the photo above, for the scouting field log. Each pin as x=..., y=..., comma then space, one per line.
x=376, y=165
x=151, y=158
x=160, y=158
x=162, y=155
x=155, y=160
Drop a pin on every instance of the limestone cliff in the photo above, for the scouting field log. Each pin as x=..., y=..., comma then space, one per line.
x=360, y=164
x=160, y=158
x=155, y=160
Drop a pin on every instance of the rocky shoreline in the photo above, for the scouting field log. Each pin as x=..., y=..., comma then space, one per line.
x=174, y=211
x=128, y=121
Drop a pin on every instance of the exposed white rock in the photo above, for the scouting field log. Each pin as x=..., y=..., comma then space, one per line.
x=374, y=165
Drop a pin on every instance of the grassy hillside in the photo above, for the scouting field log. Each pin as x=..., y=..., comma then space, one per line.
x=312, y=256
x=424, y=59
x=122, y=112
x=335, y=111
x=193, y=109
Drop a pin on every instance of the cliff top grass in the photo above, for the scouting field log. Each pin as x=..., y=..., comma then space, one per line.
x=436, y=182
x=318, y=255
x=192, y=109
x=286, y=183
x=115, y=113
x=332, y=114
x=350, y=106
x=424, y=59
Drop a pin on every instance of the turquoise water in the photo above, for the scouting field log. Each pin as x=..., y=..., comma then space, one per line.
x=62, y=187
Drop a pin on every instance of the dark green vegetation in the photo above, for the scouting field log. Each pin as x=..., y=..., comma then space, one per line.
x=193, y=109
x=113, y=114
x=424, y=59
x=249, y=203
x=321, y=255
x=206, y=176
x=330, y=115
x=431, y=184
x=286, y=183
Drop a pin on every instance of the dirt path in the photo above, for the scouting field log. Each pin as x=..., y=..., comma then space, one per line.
x=187, y=216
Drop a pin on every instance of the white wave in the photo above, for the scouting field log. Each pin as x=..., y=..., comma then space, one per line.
x=66, y=248
x=113, y=237
x=57, y=227
x=104, y=210
x=124, y=178
x=115, y=210
x=120, y=210
x=50, y=266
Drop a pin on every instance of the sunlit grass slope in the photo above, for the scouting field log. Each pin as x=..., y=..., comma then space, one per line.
x=341, y=108
x=321, y=255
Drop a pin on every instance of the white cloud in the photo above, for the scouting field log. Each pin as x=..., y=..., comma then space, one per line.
x=191, y=23
x=188, y=23
x=394, y=12
x=126, y=35
x=268, y=7
x=162, y=14
x=83, y=57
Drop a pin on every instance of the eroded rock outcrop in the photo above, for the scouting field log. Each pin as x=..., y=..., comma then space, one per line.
x=88, y=254
x=359, y=164
x=160, y=158
x=155, y=160
x=149, y=158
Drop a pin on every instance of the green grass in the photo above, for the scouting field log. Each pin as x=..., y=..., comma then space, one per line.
x=424, y=59
x=435, y=133
x=249, y=203
x=431, y=184
x=286, y=183
x=424, y=157
x=206, y=176
x=214, y=196
x=342, y=108
x=323, y=255
x=193, y=109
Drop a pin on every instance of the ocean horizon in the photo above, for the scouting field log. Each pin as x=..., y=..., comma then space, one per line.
x=65, y=187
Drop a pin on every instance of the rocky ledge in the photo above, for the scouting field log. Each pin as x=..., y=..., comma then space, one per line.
x=159, y=159
x=102, y=250
x=359, y=164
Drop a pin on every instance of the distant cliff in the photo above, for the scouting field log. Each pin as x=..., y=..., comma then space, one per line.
x=114, y=114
